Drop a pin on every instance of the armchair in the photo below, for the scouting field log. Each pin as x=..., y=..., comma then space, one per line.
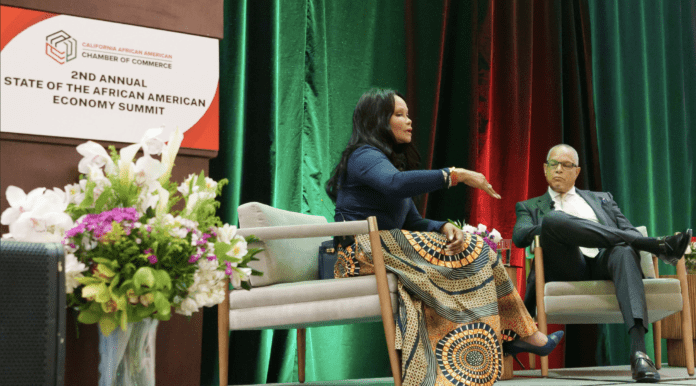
x=569, y=302
x=290, y=295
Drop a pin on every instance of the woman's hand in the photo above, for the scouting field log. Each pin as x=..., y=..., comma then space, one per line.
x=455, y=239
x=475, y=180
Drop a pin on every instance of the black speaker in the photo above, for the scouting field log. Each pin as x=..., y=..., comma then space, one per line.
x=32, y=313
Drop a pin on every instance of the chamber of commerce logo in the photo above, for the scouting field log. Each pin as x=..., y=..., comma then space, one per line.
x=61, y=47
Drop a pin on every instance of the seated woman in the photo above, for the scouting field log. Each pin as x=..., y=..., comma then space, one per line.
x=456, y=301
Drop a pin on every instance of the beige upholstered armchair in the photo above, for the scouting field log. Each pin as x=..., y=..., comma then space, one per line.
x=592, y=302
x=290, y=295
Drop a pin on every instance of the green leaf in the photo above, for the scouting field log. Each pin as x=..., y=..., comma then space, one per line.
x=87, y=280
x=89, y=316
x=124, y=320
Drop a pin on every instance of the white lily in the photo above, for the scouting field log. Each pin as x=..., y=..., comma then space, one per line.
x=169, y=154
x=94, y=154
x=161, y=209
x=239, y=275
x=481, y=228
x=239, y=249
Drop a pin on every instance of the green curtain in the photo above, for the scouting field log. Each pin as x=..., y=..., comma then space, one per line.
x=644, y=69
x=291, y=73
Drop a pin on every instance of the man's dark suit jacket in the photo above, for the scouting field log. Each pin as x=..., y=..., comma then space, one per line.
x=531, y=212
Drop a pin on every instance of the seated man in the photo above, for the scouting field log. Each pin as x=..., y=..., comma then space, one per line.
x=586, y=237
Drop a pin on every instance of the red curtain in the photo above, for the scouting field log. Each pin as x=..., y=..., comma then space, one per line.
x=523, y=118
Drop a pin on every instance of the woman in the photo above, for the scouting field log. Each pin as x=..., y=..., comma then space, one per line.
x=456, y=302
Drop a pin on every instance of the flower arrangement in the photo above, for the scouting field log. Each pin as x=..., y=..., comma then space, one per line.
x=690, y=256
x=129, y=253
x=492, y=238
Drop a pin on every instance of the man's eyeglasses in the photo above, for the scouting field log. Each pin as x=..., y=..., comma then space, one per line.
x=552, y=165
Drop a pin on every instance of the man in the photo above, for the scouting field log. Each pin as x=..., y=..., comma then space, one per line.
x=586, y=237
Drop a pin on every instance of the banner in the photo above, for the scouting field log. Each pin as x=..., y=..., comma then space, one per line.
x=73, y=77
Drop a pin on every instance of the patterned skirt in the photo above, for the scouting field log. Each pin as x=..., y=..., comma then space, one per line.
x=454, y=310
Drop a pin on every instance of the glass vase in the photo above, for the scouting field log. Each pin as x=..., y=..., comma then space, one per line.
x=127, y=358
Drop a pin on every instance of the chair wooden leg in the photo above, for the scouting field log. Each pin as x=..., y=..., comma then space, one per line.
x=301, y=351
x=532, y=361
x=541, y=308
x=687, y=333
x=224, y=335
x=657, y=343
x=384, y=299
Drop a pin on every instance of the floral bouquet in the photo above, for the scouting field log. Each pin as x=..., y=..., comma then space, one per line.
x=690, y=256
x=492, y=238
x=129, y=253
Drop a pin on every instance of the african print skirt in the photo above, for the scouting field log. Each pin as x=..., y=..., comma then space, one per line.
x=454, y=310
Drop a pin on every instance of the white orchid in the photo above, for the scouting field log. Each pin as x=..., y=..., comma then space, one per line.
x=94, y=154
x=41, y=219
x=481, y=228
x=495, y=235
x=20, y=202
x=74, y=194
x=469, y=229
x=226, y=233
x=148, y=170
x=73, y=271
x=150, y=143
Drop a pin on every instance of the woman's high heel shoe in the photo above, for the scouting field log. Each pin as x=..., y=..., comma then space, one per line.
x=517, y=346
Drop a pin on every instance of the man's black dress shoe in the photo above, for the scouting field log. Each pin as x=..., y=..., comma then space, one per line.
x=672, y=248
x=643, y=369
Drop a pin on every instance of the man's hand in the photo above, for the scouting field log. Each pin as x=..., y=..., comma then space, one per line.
x=455, y=239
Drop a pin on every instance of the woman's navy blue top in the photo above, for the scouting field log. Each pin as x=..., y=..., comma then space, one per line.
x=372, y=186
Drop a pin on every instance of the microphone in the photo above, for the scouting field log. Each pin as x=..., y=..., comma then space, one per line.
x=553, y=205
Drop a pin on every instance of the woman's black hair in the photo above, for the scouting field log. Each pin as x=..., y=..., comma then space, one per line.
x=371, y=127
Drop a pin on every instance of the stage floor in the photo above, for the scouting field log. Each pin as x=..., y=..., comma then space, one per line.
x=610, y=375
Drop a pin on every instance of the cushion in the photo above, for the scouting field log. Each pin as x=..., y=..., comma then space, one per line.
x=287, y=260
x=309, y=304
x=588, y=302
x=646, y=260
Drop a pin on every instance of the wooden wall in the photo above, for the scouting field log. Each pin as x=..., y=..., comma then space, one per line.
x=200, y=17
x=29, y=161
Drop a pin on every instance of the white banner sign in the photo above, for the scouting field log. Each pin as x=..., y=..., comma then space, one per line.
x=73, y=77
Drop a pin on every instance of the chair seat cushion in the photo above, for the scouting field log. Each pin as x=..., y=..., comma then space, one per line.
x=310, y=303
x=588, y=302
x=606, y=287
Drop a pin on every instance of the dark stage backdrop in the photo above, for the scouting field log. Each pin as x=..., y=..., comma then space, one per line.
x=491, y=85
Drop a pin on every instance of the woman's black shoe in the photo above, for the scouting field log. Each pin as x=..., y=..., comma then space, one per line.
x=517, y=346
x=672, y=248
